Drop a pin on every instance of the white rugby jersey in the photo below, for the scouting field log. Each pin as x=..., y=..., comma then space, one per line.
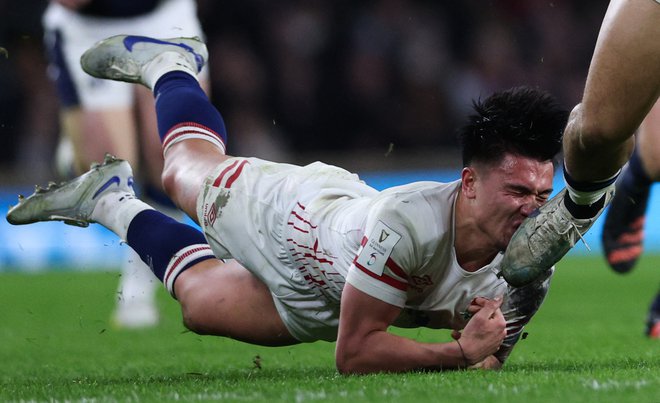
x=407, y=258
x=397, y=246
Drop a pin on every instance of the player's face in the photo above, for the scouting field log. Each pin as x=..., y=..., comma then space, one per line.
x=509, y=192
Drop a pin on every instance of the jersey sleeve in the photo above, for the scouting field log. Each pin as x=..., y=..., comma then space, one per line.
x=387, y=254
x=520, y=306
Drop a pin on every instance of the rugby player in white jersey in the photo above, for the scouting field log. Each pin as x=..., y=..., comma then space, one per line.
x=319, y=255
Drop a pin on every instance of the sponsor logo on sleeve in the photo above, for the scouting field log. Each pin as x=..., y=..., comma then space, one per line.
x=377, y=250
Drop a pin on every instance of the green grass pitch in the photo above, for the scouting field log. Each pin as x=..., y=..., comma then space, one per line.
x=585, y=345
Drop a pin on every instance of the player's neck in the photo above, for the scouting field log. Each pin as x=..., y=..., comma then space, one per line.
x=473, y=258
x=473, y=248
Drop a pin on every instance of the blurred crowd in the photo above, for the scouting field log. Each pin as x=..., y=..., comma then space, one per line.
x=293, y=78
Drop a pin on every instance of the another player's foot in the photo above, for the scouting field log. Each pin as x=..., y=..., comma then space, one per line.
x=543, y=239
x=128, y=57
x=653, y=319
x=135, y=315
x=623, y=232
x=653, y=325
x=653, y=331
x=73, y=202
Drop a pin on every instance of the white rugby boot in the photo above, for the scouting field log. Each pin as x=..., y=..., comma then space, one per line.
x=73, y=202
x=141, y=59
x=543, y=239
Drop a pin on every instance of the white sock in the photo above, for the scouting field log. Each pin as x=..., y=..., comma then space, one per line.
x=165, y=63
x=586, y=198
x=116, y=210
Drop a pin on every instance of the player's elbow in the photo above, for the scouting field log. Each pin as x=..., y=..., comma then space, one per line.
x=345, y=365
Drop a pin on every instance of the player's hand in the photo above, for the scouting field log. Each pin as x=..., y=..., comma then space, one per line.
x=484, y=332
x=476, y=304
x=490, y=362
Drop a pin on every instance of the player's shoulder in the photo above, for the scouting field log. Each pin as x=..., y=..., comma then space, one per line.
x=421, y=208
x=419, y=196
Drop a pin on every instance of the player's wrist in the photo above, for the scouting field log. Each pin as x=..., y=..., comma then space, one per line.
x=463, y=360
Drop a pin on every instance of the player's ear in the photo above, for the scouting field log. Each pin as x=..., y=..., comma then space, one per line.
x=468, y=182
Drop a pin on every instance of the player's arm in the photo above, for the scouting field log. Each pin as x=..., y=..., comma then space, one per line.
x=490, y=362
x=365, y=346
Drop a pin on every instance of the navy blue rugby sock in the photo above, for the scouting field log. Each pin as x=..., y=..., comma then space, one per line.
x=183, y=109
x=167, y=246
x=636, y=180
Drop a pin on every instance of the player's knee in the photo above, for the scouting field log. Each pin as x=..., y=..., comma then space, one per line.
x=189, y=300
x=589, y=130
x=190, y=324
x=169, y=179
x=192, y=320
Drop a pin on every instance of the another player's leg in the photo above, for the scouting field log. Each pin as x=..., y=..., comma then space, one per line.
x=598, y=138
x=623, y=232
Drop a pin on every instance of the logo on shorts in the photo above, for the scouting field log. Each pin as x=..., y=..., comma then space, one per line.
x=212, y=214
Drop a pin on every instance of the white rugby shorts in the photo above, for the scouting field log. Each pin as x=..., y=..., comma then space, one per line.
x=173, y=18
x=244, y=209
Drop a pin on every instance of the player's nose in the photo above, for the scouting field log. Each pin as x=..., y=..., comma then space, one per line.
x=528, y=206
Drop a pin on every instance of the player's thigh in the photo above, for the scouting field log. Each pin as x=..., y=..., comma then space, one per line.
x=624, y=80
x=225, y=299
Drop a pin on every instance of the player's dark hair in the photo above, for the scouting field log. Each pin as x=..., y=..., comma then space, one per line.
x=522, y=120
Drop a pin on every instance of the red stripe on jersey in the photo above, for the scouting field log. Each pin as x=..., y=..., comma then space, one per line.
x=384, y=278
x=216, y=182
x=396, y=269
x=236, y=174
x=293, y=213
x=364, y=241
x=314, y=280
x=300, y=205
x=319, y=259
x=298, y=228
